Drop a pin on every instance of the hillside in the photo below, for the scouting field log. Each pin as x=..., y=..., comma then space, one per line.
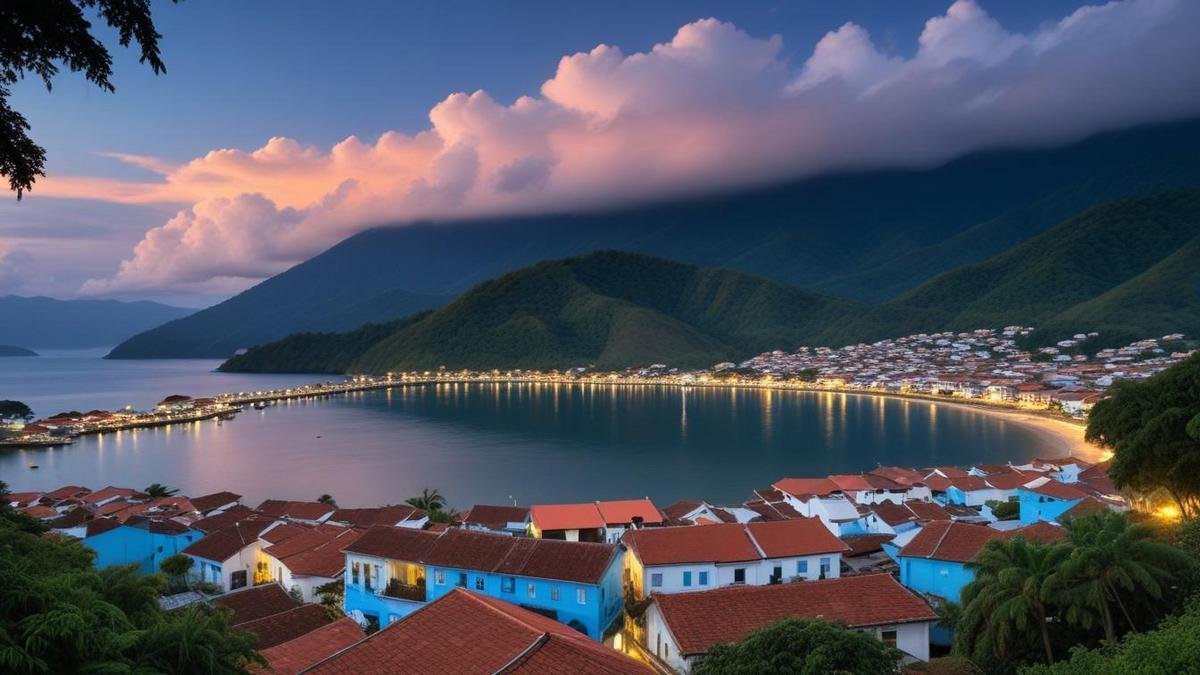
x=46, y=323
x=609, y=309
x=9, y=350
x=1124, y=269
x=315, y=352
x=869, y=236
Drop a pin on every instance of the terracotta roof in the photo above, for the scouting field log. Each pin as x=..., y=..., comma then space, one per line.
x=769, y=495
x=675, y=512
x=953, y=541
x=927, y=510
x=256, y=602
x=317, y=554
x=806, y=486
x=1085, y=506
x=850, y=482
x=68, y=491
x=295, y=655
x=381, y=515
x=223, y=519
x=110, y=492
x=157, y=525
x=394, y=543
x=580, y=562
x=1057, y=490
x=39, y=511
x=624, y=511
x=566, y=517
x=288, y=625
x=223, y=544
x=891, y=513
x=284, y=531
x=699, y=620
x=206, y=503
x=902, y=475
x=100, y=526
x=22, y=498
x=300, y=510
x=72, y=518
x=496, y=517
x=465, y=633
x=937, y=483
x=949, y=471
x=1010, y=480
x=970, y=483
x=800, y=536
x=723, y=543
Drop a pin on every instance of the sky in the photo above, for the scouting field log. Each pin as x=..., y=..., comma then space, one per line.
x=281, y=128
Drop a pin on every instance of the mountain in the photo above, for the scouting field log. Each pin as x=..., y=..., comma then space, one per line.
x=869, y=236
x=1127, y=269
x=609, y=309
x=9, y=350
x=316, y=352
x=46, y=323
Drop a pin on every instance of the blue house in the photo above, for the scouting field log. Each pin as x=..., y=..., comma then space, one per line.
x=1048, y=501
x=391, y=572
x=141, y=541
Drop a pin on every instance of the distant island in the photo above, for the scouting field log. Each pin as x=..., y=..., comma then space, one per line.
x=9, y=350
x=48, y=323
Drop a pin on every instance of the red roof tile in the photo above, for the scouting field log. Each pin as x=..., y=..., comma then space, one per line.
x=297, y=654
x=700, y=620
x=317, y=553
x=900, y=474
x=1085, y=506
x=38, y=511
x=891, y=513
x=68, y=491
x=1058, y=490
x=394, y=543
x=723, y=543
x=927, y=510
x=801, y=536
x=224, y=519
x=382, y=515
x=970, y=483
x=1010, y=480
x=256, y=602
x=800, y=487
x=22, y=498
x=547, y=517
x=297, y=510
x=216, y=500
x=110, y=492
x=101, y=525
x=465, y=633
x=581, y=562
x=223, y=544
x=288, y=625
x=284, y=531
x=624, y=511
x=495, y=517
x=953, y=541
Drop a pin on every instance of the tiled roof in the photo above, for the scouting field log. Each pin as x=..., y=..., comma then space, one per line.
x=299, y=510
x=1010, y=480
x=496, y=517
x=959, y=542
x=581, y=562
x=700, y=620
x=465, y=633
x=381, y=515
x=566, y=516
x=937, y=483
x=800, y=487
x=72, y=518
x=206, y=503
x=284, y=531
x=723, y=543
x=865, y=544
x=624, y=511
x=67, y=491
x=681, y=508
x=109, y=492
x=902, y=475
x=949, y=471
x=927, y=510
x=223, y=519
x=99, y=526
x=1057, y=490
x=223, y=544
x=22, y=498
x=970, y=483
x=295, y=655
x=394, y=543
x=317, y=553
x=850, y=482
x=38, y=511
x=800, y=536
x=288, y=625
x=892, y=513
x=157, y=525
x=256, y=602
x=1085, y=506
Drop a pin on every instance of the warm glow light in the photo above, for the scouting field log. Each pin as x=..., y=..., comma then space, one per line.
x=1169, y=512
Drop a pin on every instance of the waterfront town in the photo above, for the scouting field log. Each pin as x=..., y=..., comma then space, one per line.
x=984, y=366
x=605, y=586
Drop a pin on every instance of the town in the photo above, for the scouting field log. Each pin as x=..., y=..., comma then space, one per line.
x=604, y=586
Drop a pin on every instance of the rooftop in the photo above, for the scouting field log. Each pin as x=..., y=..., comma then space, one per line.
x=299, y=653
x=732, y=542
x=255, y=602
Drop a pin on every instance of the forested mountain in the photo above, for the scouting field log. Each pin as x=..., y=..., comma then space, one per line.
x=869, y=236
x=609, y=309
x=46, y=323
x=1127, y=269
x=316, y=352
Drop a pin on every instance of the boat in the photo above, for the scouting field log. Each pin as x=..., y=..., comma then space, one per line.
x=33, y=466
x=260, y=405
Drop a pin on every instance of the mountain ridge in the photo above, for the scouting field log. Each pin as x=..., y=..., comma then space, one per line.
x=49, y=323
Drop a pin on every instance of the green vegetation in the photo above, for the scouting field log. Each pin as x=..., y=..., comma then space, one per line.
x=158, y=490
x=58, y=614
x=1172, y=647
x=176, y=567
x=802, y=646
x=11, y=411
x=315, y=352
x=1005, y=510
x=1087, y=273
x=1153, y=427
x=433, y=504
x=328, y=500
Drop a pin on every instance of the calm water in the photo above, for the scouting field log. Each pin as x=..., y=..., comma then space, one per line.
x=487, y=443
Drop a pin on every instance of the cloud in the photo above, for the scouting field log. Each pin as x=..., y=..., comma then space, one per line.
x=712, y=108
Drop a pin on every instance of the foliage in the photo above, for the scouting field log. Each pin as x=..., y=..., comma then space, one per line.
x=1004, y=509
x=1153, y=427
x=176, y=568
x=429, y=500
x=328, y=500
x=158, y=490
x=805, y=646
x=1172, y=647
x=37, y=37
x=59, y=614
x=331, y=596
x=11, y=411
x=297, y=594
x=315, y=352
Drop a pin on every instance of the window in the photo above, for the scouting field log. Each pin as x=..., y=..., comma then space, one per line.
x=531, y=590
x=656, y=580
x=824, y=568
x=554, y=593
x=236, y=580
x=508, y=585
x=687, y=578
x=462, y=579
x=581, y=596
x=888, y=637
x=479, y=583
x=367, y=577
x=439, y=577
x=801, y=567
x=739, y=575
x=777, y=573
x=354, y=571
x=704, y=578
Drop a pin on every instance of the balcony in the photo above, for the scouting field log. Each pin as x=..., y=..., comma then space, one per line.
x=395, y=589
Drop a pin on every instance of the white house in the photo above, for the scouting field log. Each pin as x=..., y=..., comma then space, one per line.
x=870, y=489
x=311, y=559
x=230, y=557
x=820, y=498
x=595, y=521
x=679, y=559
x=681, y=627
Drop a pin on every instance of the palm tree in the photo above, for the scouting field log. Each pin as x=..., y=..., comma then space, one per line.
x=327, y=500
x=158, y=490
x=1011, y=595
x=1113, y=558
x=429, y=501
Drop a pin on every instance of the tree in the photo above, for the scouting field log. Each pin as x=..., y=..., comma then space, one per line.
x=176, y=568
x=1114, y=564
x=1008, y=603
x=158, y=490
x=37, y=37
x=801, y=646
x=429, y=500
x=11, y=411
x=328, y=500
x=1172, y=647
x=1153, y=427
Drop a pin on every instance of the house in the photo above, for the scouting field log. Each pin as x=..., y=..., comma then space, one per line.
x=99, y=498
x=229, y=557
x=311, y=513
x=1048, y=501
x=305, y=562
x=138, y=541
x=889, y=518
x=822, y=498
x=870, y=488
x=217, y=502
x=678, y=559
x=512, y=520
x=391, y=573
x=681, y=627
x=281, y=627
x=255, y=602
x=468, y=632
x=597, y=521
x=691, y=512
x=933, y=561
x=301, y=653
x=394, y=515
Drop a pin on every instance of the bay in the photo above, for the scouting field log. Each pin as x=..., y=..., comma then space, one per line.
x=487, y=443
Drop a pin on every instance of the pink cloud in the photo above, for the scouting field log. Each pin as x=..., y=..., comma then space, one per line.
x=713, y=107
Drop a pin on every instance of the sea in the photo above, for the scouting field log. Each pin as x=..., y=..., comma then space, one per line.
x=483, y=443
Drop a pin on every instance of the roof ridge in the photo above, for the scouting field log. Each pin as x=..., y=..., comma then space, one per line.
x=942, y=538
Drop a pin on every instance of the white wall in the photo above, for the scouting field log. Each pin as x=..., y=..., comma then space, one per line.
x=758, y=573
x=307, y=584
